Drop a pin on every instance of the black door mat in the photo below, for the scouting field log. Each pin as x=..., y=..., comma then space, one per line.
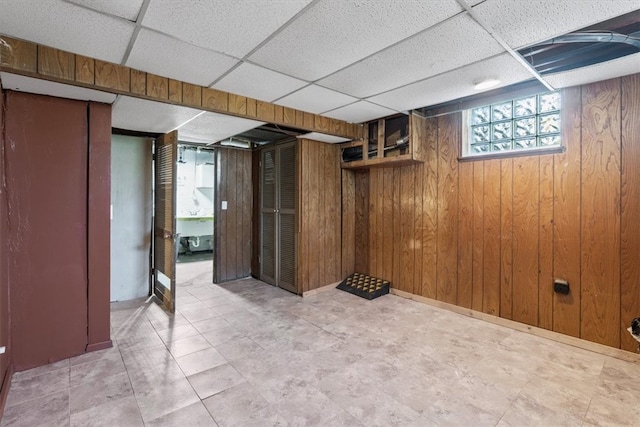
x=364, y=286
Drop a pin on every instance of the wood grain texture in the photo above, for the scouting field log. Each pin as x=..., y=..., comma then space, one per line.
x=157, y=87
x=362, y=225
x=397, y=229
x=526, y=172
x=175, y=91
x=379, y=197
x=229, y=248
x=289, y=116
x=407, y=207
x=449, y=135
x=567, y=191
x=418, y=175
x=545, y=251
x=191, y=95
x=348, y=242
x=215, y=100
x=491, y=241
x=304, y=252
x=600, y=251
x=278, y=114
x=252, y=107
x=21, y=55
x=138, y=82
x=430, y=210
x=630, y=208
x=237, y=104
x=506, y=238
x=247, y=196
x=308, y=120
x=387, y=228
x=373, y=222
x=85, y=70
x=255, y=213
x=265, y=111
x=56, y=63
x=465, y=235
x=478, y=236
x=321, y=124
x=112, y=76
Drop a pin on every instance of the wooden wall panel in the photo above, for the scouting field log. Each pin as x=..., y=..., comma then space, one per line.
x=491, y=240
x=600, y=251
x=449, y=136
x=348, y=249
x=506, y=238
x=493, y=234
x=234, y=226
x=56, y=63
x=526, y=171
x=566, y=216
x=430, y=210
x=478, y=236
x=138, y=82
x=630, y=208
x=85, y=70
x=157, y=86
x=545, y=251
x=465, y=235
x=320, y=228
x=112, y=76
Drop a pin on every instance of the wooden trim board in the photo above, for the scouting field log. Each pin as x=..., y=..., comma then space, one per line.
x=543, y=333
x=47, y=63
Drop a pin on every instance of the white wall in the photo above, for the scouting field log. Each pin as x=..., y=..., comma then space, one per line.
x=193, y=200
x=131, y=198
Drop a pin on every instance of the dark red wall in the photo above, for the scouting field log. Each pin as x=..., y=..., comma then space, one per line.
x=4, y=278
x=57, y=152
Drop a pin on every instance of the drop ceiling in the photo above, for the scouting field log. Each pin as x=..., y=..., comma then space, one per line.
x=354, y=60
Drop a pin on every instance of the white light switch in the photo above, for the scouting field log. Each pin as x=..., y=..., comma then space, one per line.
x=224, y=205
x=111, y=214
x=3, y=349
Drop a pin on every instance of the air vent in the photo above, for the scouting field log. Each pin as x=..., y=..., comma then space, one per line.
x=598, y=43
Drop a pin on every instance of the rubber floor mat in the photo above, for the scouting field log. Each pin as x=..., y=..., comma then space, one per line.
x=365, y=286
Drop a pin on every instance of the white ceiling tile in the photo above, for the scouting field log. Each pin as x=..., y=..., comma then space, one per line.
x=259, y=83
x=127, y=9
x=166, y=56
x=231, y=27
x=149, y=116
x=315, y=99
x=323, y=137
x=455, y=84
x=358, y=112
x=521, y=23
x=45, y=87
x=333, y=34
x=454, y=43
x=626, y=65
x=66, y=26
x=212, y=127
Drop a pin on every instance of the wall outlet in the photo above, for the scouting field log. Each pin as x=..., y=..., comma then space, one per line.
x=561, y=286
x=3, y=350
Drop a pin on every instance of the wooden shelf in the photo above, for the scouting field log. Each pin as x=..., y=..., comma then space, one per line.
x=389, y=142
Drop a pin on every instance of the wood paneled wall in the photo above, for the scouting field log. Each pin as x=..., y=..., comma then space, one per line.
x=233, y=226
x=319, y=214
x=491, y=235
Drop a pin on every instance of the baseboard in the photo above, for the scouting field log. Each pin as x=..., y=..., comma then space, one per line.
x=533, y=330
x=320, y=289
x=99, y=346
x=4, y=392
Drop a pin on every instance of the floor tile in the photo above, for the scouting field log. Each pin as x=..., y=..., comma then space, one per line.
x=188, y=345
x=100, y=391
x=200, y=361
x=215, y=380
x=49, y=410
x=31, y=387
x=235, y=405
x=121, y=412
x=194, y=415
x=160, y=400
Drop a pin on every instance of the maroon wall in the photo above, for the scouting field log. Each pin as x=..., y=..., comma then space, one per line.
x=54, y=237
x=5, y=373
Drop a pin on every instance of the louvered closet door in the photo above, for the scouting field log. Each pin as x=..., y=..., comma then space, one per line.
x=286, y=210
x=278, y=203
x=268, y=216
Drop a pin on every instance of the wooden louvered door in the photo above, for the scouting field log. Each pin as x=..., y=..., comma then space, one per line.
x=164, y=222
x=278, y=254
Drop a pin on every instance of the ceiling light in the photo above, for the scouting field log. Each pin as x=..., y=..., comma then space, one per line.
x=486, y=84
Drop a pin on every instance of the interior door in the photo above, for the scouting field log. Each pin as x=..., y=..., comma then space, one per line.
x=278, y=202
x=164, y=222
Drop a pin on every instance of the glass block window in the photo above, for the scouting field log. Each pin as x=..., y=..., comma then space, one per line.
x=521, y=124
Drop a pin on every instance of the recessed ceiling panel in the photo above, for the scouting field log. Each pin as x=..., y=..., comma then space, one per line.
x=521, y=23
x=231, y=27
x=45, y=87
x=603, y=71
x=259, y=83
x=149, y=116
x=66, y=26
x=212, y=127
x=323, y=137
x=127, y=9
x=315, y=99
x=358, y=112
x=333, y=34
x=454, y=43
x=166, y=56
x=455, y=84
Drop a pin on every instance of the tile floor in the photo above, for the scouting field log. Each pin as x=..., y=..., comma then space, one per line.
x=248, y=354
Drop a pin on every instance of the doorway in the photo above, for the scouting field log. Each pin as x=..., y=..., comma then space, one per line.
x=278, y=219
x=131, y=216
